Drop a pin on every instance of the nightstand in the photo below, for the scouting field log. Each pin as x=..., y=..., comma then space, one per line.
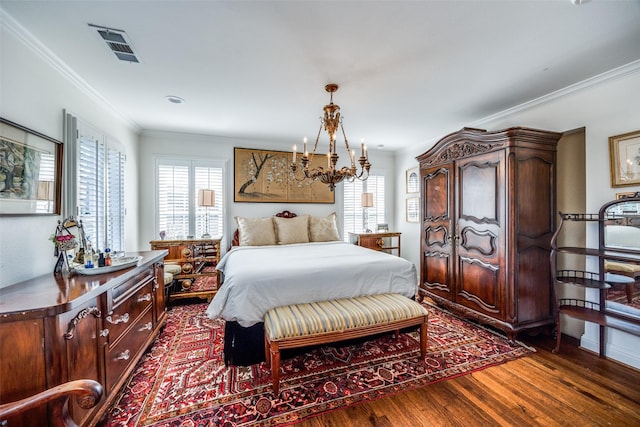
x=197, y=259
x=388, y=242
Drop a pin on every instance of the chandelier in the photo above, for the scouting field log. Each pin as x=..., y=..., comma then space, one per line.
x=331, y=175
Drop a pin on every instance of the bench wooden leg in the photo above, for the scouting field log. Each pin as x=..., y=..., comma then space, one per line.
x=423, y=339
x=267, y=355
x=275, y=367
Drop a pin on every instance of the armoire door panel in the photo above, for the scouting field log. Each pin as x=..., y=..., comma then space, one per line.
x=533, y=293
x=483, y=242
x=538, y=218
x=437, y=237
x=478, y=190
x=436, y=274
x=436, y=195
x=479, y=286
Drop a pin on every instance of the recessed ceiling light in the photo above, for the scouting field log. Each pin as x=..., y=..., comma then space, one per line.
x=174, y=99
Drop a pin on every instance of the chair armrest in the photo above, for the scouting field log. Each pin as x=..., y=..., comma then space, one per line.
x=88, y=393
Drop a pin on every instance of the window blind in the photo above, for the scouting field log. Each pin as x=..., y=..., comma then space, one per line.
x=178, y=183
x=353, y=214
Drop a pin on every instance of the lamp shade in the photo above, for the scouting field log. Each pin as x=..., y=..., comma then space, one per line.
x=367, y=200
x=206, y=198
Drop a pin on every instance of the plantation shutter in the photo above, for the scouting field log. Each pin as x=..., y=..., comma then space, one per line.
x=178, y=183
x=101, y=192
x=353, y=211
x=115, y=199
x=207, y=178
x=173, y=200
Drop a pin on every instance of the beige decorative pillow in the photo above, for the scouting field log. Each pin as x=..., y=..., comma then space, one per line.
x=256, y=231
x=323, y=229
x=292, y=230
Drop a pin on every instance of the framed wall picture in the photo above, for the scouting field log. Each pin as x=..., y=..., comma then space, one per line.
x=624, y=153
x=413, y=209
x=413, y=180
x=30, y=171
x=265, y=176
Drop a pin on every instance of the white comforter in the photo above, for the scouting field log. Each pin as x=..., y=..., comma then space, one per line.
x=257, y=278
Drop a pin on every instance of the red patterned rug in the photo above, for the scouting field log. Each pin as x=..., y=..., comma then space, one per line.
x=618, y=293
x=182, y=380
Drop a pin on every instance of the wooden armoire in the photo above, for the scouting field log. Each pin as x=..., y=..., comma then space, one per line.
x=488, y=212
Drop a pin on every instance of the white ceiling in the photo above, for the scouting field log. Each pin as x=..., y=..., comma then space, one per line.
x=409, y=71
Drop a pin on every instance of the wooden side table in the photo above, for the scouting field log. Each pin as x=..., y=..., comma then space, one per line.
x=388, y=242
x=197, y=258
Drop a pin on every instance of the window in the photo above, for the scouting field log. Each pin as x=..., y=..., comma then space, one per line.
x=354, y=216
x=100, y=189
x=178, y=184
x=96, y=184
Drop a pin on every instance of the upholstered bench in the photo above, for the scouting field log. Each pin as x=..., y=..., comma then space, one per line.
x=306, y=324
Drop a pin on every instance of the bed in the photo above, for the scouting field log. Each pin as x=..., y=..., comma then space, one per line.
x=304, y=260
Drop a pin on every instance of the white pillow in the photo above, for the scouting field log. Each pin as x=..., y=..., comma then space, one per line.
x=323, y=229
x=292, y=230
x=255, y=231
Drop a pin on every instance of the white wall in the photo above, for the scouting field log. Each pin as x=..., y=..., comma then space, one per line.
x=190, y=146
x=606, y=108
x=33, y=93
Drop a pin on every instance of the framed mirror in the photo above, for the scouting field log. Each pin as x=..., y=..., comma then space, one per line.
x=620, y=237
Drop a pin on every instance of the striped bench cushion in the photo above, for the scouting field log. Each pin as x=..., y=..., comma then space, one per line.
x=338, y=315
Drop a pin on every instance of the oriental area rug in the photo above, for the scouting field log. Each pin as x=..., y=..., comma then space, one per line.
x=182, y=380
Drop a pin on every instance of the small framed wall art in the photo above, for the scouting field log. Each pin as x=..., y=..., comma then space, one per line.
x=413, y=209
x=30, y=171
x=413, y=180
x=624, y=153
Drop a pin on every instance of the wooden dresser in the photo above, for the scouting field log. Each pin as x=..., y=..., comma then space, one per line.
x=488, y=212
x=55, y=329
x=197, y=258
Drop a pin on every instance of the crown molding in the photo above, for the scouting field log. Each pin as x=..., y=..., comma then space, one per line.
x=616, y=73
x=13, y=27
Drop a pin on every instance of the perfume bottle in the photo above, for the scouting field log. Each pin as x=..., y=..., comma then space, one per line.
x=88, y=256
x=107, y=257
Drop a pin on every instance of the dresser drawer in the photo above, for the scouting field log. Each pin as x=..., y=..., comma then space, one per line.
x=126, y=349
x=127, y=310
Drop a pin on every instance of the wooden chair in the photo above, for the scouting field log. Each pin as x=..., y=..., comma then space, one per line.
x=88, y=393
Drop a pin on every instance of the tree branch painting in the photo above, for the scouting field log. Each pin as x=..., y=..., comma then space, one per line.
x=264, y=176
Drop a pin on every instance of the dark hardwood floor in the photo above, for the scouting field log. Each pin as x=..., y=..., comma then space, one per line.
x=574, y=388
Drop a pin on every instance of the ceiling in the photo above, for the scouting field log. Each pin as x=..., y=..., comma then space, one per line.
x=409, y=71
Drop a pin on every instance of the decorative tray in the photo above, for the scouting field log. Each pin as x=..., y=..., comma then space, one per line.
x=117, y=264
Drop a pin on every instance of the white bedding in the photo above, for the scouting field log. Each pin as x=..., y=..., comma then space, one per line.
x=257, y=278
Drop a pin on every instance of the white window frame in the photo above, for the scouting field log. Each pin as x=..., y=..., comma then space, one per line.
x=196, y=215
x=376, y=214
x=108, y=220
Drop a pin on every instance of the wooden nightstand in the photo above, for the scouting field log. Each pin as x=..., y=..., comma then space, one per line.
x=388, y=242
x=198, y=259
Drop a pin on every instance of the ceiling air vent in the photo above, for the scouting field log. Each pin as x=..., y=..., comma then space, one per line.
x=117, y=42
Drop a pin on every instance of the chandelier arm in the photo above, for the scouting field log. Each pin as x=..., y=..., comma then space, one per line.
x=315, y=145
x=346, y=143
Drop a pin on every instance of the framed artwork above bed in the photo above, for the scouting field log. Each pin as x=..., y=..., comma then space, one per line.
x=264, y=176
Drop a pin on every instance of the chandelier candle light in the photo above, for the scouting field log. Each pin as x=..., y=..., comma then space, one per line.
x=206, y=198
x=331, y=176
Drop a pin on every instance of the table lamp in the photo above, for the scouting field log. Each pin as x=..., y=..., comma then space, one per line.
x=206, y=198
x=367, y=202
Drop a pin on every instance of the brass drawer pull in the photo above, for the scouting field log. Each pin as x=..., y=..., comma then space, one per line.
x=123, y=356
x=145, y=297
x=122, y=319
